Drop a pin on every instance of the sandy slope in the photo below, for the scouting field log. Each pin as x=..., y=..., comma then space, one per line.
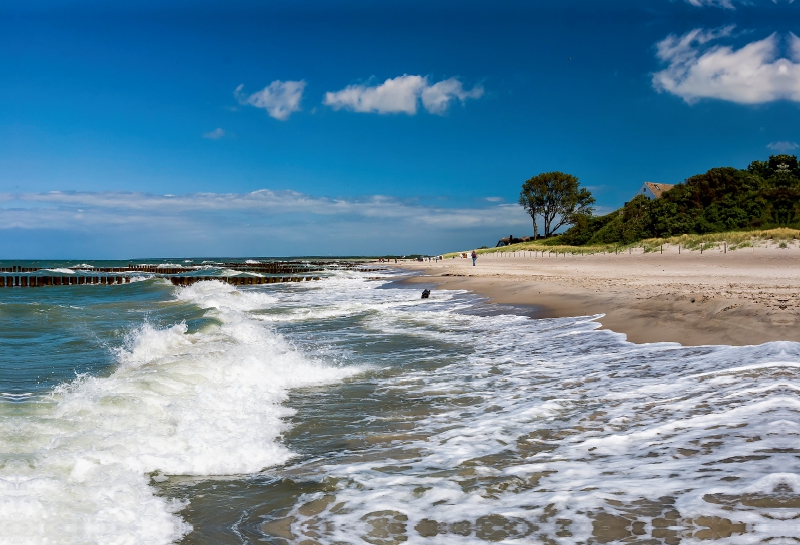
x=741, y=297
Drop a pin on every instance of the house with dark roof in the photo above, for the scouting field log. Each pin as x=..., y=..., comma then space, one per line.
x=653, y=190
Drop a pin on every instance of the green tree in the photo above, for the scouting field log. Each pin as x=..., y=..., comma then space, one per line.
x=556, y=197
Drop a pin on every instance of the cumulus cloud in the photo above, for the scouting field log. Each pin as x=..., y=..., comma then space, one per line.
x=216, y=134
x=263, y=222
x=68, y=210
x=782, y=147
x=712, y=3
x=437, y=97
x=727, y=4
x=402, y=95
x=698, y=68
x=279, y=98
x=392, y=96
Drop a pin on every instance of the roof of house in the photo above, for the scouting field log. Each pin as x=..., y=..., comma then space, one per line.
x=659, y=189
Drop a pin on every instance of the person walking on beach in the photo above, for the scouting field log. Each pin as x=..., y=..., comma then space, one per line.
x=474, y=257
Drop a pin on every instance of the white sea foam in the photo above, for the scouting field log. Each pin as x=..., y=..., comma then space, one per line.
x=233, y=272
x=226, y=298
x=514, y=430
x=544, y=427
x=201, y=403
x=61, y=270
x=345, y=293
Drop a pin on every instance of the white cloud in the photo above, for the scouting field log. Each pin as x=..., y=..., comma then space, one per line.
x=782, y=147
x=264, y=222
x=216, y=134
x=401, y=95
x=437, y=97
x=43, y=210
x=727, y=4
x=392, y=96
x=713, y=3
x=279, y=98
x=752, y=74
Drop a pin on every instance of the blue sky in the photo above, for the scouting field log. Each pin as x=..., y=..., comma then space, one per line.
x=355, y=127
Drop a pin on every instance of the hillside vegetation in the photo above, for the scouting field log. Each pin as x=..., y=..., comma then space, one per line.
x=731, y=240
x=766, y=195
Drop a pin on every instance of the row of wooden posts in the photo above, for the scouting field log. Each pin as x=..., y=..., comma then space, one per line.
x=164, y=270
x=273, y=268
x=269, y=268
x=39, y=281
x=26, y=281
x=240, y=280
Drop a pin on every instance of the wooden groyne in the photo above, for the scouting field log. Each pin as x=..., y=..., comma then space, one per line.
x=272, y=268
x=40, y=281
x=280, y=272
x=281, y=267
x=241, y=280
x=19, y=269
x=30, y=281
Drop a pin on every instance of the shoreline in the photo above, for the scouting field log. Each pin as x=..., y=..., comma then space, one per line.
x=735, y=298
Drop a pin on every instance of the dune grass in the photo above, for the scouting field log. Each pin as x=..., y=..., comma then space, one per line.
x=733, y=240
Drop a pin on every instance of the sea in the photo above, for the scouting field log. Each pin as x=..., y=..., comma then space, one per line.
x=351, y=410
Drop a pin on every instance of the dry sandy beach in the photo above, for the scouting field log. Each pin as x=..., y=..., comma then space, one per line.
x=742, y=297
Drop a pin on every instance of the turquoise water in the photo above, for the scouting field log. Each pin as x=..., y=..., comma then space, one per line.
x=49, y=335
x=349, y=410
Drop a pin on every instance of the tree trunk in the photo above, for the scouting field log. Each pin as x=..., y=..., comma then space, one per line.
x=535, y=228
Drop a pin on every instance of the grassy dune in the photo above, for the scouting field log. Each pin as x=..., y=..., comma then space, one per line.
x=733, y=239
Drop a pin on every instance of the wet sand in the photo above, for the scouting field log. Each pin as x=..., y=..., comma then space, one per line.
x=740, y=297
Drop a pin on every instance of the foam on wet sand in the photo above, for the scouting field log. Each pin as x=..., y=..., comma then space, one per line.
x=747, y=296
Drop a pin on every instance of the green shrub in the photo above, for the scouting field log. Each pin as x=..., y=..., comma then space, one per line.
x=766, y=195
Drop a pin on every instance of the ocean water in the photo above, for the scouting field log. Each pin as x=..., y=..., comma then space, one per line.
x=349, y=410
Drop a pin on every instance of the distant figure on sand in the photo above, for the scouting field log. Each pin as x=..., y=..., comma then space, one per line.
x=474, y=257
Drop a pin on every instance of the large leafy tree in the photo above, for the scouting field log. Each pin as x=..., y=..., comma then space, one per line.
x=558, y=198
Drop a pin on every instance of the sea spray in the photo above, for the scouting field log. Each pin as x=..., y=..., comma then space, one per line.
x=207, y=402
